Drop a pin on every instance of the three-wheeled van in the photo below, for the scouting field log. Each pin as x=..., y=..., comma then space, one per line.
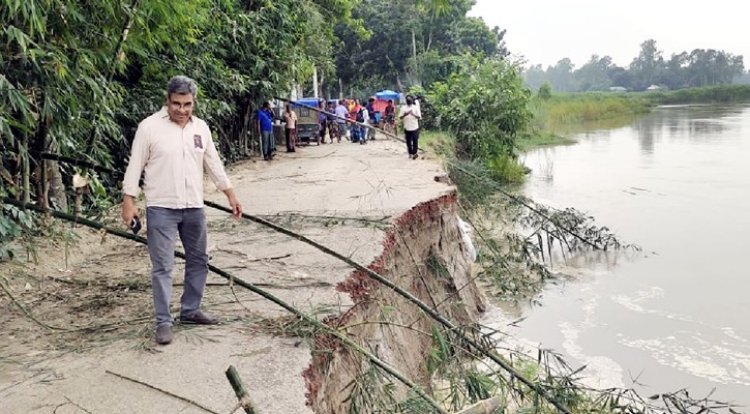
x=307, y=120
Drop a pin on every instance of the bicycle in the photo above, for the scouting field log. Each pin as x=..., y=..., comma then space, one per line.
x=390, y=126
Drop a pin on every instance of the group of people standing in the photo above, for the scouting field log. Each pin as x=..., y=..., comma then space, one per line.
x=346, y=119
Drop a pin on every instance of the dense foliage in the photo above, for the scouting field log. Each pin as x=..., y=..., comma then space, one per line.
x=485, y=107
x=82, y=74
x=698, y=68
x=409, y=43
x=77, y=77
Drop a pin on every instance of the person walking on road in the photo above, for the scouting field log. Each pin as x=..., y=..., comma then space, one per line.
x=290, y=118
x=173, y=147
x=410, y=115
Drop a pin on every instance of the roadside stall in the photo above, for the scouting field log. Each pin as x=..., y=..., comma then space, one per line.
x=382, y=98
x=381, y=101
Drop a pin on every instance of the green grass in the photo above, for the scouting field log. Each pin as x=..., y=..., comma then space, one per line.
x=564, y=110
x=556, y=119
x=544, y=139
x=439, y=142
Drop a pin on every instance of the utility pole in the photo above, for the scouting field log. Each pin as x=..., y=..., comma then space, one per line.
x=315, y=82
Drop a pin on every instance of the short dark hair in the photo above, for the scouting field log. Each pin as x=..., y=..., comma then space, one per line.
x=266, y=104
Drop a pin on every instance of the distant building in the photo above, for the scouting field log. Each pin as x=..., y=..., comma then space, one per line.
x=618, y=89
x=654, y=88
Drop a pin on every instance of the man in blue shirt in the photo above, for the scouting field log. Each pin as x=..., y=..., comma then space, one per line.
x=265, y=127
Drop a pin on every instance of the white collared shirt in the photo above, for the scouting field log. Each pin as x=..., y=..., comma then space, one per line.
x=173, y=159
x=411, y=121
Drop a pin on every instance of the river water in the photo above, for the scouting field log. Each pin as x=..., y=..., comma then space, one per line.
x=677, y=183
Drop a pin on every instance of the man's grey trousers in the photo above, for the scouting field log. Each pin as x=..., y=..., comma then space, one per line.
x=163, y=225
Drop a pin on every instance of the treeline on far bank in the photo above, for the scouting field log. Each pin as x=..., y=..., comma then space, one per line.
x=556, y=115
x=700, y=67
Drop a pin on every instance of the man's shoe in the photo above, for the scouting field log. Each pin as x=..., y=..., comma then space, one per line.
x=198, y=318
x=164, y=334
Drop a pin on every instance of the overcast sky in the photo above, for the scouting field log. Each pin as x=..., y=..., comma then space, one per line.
x=545, y=31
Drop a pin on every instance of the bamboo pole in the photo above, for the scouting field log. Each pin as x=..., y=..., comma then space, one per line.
x=163, y=391
x=251, y=287
x=487, y=406
x=25, y=169
x=239, y=389
x=80, y=163
x=491, y=354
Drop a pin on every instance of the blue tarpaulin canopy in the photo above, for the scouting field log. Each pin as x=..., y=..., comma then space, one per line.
x=388, y=94
x=307, y=102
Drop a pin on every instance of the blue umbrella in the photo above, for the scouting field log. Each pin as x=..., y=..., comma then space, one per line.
x=388, y=94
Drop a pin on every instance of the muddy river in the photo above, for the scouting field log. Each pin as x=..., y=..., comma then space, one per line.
x=677, y=183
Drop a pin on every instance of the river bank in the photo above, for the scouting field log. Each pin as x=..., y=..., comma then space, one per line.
x=91, y=318
x=559, y=117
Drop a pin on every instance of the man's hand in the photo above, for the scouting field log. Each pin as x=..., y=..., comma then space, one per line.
x=129, y=210
x=233, y=203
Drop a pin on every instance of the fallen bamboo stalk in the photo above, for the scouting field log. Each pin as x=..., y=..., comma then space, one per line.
x=491, y=354
x=75, y=404
x=27, y=312
x=88, y=164
x=533, y=209
x=249, y=286
x=239, y=389
x=179, y=397
x=487, y=406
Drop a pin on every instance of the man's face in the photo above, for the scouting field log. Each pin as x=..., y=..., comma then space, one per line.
x=180, y=107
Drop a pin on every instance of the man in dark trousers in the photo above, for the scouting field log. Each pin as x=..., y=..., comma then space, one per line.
x=410, y=115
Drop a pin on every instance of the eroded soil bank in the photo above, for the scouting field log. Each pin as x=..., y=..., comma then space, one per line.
x=368, y=202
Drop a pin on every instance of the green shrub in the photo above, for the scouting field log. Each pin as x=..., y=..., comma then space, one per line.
x=545, y=91
x=506, y=169
x=484, y=108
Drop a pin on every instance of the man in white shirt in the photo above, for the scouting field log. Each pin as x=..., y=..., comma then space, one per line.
x=410, y=115
x=173, y=147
